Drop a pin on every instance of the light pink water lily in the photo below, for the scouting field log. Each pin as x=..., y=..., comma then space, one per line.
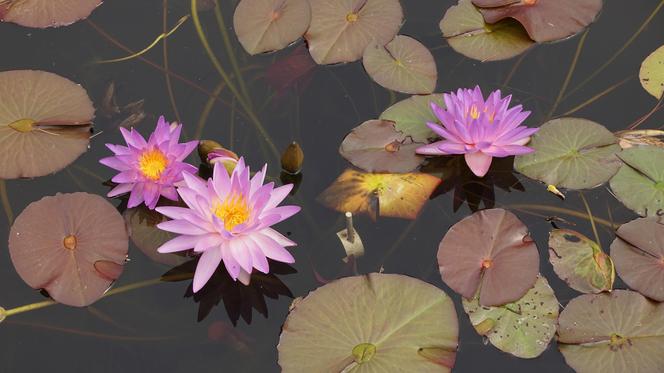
x=150, y=169
x=479, y=129
x=228, y=218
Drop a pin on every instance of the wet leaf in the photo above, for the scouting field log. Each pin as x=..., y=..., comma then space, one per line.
x=630, y=138
x=47, y=13
x=580, y=262
x=522, y=328
x=612, y=333
x=380, y=320
x=492, y=251
x=142, y=225
x=639, y=184
x=571, y=153
x=412, y=114
x=651, y=74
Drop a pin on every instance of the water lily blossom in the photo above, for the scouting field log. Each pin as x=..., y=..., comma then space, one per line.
x=228, y=218
x=479, y=129
x=150, y=169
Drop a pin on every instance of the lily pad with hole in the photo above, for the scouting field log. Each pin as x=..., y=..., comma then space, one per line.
x=46, y=13
x=639, y=184
x=341, y=30
x=371, y=323
x=490, y=251
x=44, y=123
x=375, y=146
x=73, y=246
x=143, y=232
x=270, y=25
x=612, y=333
x=580, y=262
x=523, y=328
x=403, y=65
x=411, y=115
x=465, y=30
x=571, y=153
x=638, y=251
x=651, y=74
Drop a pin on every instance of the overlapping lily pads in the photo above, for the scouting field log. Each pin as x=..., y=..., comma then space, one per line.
x=639, y=184
x=372, y=323
x=71, y=245
x=612, y=333
x=638, y=251
x=522, y=328
x=465, y=30
x=411, y=115
x=46, y=13
x=490, y=252
x=571, y=153
x=651, y=74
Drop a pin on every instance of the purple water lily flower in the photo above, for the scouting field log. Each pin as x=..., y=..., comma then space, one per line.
x=228, y=218
x=479, y=129
x=150, y=169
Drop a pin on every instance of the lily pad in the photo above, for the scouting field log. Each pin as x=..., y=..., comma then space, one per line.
x=341, y=30
x=44, y=123
x=651, y=74
x=71, y=245
x=522, y=328
x=143, y=232
x=638, y=251
x=402, y=65
x=46, y=13
x=571, y=153
x=465, y=30
x=639, y=184
x=372, y=323
x=269, y=25
x=412, y=114
x=375, y=146
x=612, y=333
x=580, y=262
x=491, y=252
x=391, y=195
x=545, y=20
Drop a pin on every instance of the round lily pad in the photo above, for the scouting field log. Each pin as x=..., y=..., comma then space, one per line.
x=522, y=328
x=403, y=65
x=580, y=262
x=44, y=123
x=465, y=30
x=269, y=25
x=143, y=232
x=375, y=146
x=341, y=30
x=411, y=115
x=491, y=252
x=72, y=245
x=372, y=323
x=46, y=13
x=651, y=74
x=571, y=153
x=612, y=333
x=639, y=184
x=638, y=251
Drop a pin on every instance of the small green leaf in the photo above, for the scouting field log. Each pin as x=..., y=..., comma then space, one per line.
x=651, y=74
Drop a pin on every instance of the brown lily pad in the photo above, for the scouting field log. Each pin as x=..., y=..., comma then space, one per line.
x=46, y=13
x=143, y=232
x=71, y=245
x=490, y=251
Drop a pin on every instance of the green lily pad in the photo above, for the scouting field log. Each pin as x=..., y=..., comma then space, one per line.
x=580, y=262
x=523, y=328
x=412, y=114
x=403, y=65
x=372, y=323
x=465, y=30
x=612, y=333
x=639, y=184
x=571, y=153
x=651, y=74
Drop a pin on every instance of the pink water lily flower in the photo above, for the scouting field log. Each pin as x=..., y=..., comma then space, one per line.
x=228, y=218
x=479, y=129
x=150, y=169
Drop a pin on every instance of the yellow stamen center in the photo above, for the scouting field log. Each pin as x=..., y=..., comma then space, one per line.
x=233, y=211
x=473, y=112
x=352, y=17
x=152, y=163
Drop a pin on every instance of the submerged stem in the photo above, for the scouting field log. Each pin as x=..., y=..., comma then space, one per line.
x=169, y=85
x=570, y=72
x=4, y=197
x=230, y=50
x=590, y=217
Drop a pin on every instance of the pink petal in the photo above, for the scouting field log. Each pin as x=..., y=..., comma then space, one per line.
x=507, y=150
x=284, y=212
x=179, y=243
x=241, y=253
x=272, y=249
x=120, y=189
x=231, y=264
x=221, y=182
x=278, y=195
x=136, y=196
x=115, y=163
x=207, y=265
x=125, y=177
x=277, y=237
x=173, y=212
x=181, y=227
x=208, y=242
x=479, y=163
x=244, y=277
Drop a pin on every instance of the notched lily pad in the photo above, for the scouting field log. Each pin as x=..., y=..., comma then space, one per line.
x=639, y=184
x=46, y=13
x=651, y=74
x=411, y=115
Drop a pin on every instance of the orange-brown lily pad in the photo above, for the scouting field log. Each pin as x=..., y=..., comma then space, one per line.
x=490, y=251
x=71, y=245
x=46, y=13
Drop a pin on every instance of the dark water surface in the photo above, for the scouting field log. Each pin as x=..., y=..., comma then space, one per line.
x=155, y=329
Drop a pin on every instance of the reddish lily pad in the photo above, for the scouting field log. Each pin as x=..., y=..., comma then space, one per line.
x=545, y=20
x=46, y=13
x=71, y=245
x=340, y=30
x=490, y=251
x=612, y=333
x=412, y=114
x=44, y=123
x=142, y=225
x=638, y=251
x=375, y=146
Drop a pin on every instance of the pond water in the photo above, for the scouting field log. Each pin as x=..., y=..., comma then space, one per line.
x=157, y=328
